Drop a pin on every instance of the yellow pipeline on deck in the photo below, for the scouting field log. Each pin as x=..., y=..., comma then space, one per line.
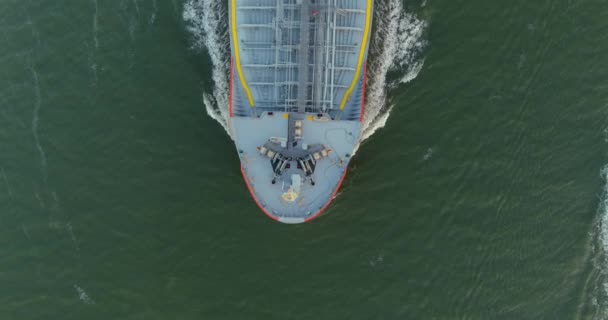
x=237, y=56
x=349, y=91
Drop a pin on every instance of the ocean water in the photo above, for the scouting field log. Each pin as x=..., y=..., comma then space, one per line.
x=479, y=191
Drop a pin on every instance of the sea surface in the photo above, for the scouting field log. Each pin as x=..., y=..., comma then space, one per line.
x=479, y=190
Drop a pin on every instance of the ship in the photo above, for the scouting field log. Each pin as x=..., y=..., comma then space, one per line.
x=297, y=99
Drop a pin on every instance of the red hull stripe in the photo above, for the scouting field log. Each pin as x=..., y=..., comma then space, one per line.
x=333, y=196
x=253, y=195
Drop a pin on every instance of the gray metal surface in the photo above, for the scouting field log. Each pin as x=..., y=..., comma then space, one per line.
x=340, y=136
x=304, y=61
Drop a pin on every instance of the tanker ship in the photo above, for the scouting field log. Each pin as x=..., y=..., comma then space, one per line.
x=297, y=98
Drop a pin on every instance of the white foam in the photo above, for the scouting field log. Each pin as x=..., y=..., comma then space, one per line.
x=136, y=7
x=95, y=42
x=372, y=127
x=598, y=295
x=604, y=210
x=153, y=16
x=35, y=120
x=413, y=72
x=95, y=26
x=25, y=232
x=214, y=112
x=132, y=27
x=206, y=22
x=602, y=242
x=397, y=46
x=376, y=260
x=428, y=154
x=83, y=296
x=70, y=230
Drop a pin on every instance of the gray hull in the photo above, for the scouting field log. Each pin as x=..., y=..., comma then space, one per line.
x=297, y=87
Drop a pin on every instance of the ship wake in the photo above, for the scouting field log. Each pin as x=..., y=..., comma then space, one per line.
x=599, y=296
x=397, y=47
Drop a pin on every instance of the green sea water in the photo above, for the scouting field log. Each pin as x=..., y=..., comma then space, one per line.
x=481, y=198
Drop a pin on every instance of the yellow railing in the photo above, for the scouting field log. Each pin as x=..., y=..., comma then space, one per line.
x=237, y=56
x=351, y=88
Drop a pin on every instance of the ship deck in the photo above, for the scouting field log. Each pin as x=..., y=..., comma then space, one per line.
x=339, y=136
x=297, y=87
x=299, y=55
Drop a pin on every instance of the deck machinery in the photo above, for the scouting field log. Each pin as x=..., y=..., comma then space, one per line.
x=297, y=88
